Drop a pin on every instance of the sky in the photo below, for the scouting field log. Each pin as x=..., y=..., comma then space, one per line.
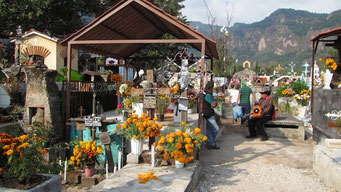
x=249, y=11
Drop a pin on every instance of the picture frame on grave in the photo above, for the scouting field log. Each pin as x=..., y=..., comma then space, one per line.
x=149, y=101
x=183, y=104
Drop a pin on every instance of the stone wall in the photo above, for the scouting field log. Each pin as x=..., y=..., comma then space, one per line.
x=325, y=101
x=42, y=96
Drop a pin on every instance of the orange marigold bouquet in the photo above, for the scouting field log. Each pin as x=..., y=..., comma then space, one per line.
x=180, y=145
x=140, y=127
x=85, y=152
x=21, y=157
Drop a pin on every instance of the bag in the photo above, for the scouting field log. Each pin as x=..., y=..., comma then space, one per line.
x=237, y=112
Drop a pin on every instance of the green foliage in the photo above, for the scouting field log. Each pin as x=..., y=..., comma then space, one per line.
x=298, y=86
x=75, y=76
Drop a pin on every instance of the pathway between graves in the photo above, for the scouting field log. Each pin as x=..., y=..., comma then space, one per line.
x=252, y=165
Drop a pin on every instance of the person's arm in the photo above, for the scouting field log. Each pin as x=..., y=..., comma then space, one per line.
x=238, y=99
x=209, y=99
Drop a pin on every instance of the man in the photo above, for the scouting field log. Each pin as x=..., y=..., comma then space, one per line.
x=244, y=100
x=212, y=127
x=257, y=124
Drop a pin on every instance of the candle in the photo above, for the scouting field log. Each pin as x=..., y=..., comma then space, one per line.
x=153, y=155
x=106, y=170
x=65, y=165
x=119, y=160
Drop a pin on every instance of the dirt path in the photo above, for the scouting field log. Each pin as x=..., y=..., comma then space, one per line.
x=252, y=165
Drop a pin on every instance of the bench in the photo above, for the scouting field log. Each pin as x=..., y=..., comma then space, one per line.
x=285, y=126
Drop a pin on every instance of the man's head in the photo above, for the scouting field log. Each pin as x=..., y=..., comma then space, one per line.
x=209, y=86
x=265, y=92
x=244, y=83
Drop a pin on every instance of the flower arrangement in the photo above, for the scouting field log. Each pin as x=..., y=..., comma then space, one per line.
x=140, y=127
x=117, y=79
x=125, y=89
x=303, y=98
x=119, y=109
x=175, y=89
x=192, y=100
x=180, y=144
x=329, y=63
x=287, y=92
x=21, y=157
x=144, y=178
x=85, y=153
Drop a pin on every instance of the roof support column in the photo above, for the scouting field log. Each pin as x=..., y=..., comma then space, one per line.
x=203, y=74
x=68, y=86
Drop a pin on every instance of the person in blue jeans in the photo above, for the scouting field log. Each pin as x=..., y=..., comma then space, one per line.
x=244, y=100
x=212, y=127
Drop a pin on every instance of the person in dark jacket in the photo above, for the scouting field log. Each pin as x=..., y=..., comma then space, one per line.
x=212, y=127
x=256, y=125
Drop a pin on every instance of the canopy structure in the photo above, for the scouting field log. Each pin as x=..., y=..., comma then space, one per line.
x=126, y=28
x=330, y=38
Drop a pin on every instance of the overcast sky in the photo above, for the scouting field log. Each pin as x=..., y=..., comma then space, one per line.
x=249, y=11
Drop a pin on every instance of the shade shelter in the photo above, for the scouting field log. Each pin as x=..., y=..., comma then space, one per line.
x=325, y=101
x=127, y=27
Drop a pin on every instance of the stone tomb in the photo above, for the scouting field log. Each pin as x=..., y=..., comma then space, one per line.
x=42, y=101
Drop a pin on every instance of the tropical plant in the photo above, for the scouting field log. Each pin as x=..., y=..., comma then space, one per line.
x=181, y=144
x=85, y=152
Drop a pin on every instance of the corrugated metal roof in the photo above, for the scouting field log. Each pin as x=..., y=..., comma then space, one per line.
x=135, y=20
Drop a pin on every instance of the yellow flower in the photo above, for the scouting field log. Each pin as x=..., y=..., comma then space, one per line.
x=183, y=123
x=160, y=148
x=6, y=147
x=179, y=133
x=178, y=146
x=134, y=111
x=188, y=140
x=155, y=118
x=170, y=139
x=9, y=152
x=197, y=131
x=43, y=151
x=166, y=156
x=205, y=138
x=72, y=158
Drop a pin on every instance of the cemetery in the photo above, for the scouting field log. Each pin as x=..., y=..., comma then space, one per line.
x=99, y=117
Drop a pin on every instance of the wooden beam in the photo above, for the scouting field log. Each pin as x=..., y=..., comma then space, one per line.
x=138, y=41
x=98, y=51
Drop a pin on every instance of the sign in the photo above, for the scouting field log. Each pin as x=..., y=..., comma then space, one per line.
x=149, y=101
x=93, y=121
x=80, y=126
x=105, y=138
x=183, y=104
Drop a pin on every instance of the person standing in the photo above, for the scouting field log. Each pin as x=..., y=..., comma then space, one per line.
x=244, y=100
x=234, y=93
x=256, y=125
x=212, y=127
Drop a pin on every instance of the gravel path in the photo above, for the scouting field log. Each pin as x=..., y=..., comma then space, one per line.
x=252, y=165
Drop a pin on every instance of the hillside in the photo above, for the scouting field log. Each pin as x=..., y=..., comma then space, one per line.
x=281, y=37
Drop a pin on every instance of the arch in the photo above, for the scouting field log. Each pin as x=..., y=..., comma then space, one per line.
x=247, y=63
x=36, y=50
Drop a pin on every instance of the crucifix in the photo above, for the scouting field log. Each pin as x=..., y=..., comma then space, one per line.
x=292, y=68
x=306, y=65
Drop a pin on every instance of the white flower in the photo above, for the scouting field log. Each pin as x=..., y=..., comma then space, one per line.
x=123, y=87
x=173, y=81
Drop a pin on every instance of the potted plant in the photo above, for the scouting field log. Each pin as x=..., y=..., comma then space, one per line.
x=162, y=103
x=192, y=102
x=22, y=163
x=137, y=128
x=303, y=100
x=85, y=154
x=181, y=144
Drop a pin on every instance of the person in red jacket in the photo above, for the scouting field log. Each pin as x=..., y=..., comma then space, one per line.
x=256, y=125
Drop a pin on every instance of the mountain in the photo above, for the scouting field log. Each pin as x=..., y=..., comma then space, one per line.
x=281, y=37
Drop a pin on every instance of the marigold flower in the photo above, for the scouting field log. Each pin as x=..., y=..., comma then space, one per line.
x=178, y=145
x=205, y=138
x=9, y=152
x=43, y=151
x=197, y=131
x=166, y=156
x=183, y=123
x=160, y=148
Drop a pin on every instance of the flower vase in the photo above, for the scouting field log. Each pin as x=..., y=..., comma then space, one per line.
x=327, y=79
x=136, y=146
x=179, y=165
x=303, y=111
x=89, y=169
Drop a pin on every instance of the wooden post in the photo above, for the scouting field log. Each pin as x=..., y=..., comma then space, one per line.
x=202, y=63
x=68, y=85
x=184, y=113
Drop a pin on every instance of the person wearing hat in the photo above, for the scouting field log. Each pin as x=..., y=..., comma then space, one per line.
x=244, y=100
x=212, y=127
x=256, y=125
